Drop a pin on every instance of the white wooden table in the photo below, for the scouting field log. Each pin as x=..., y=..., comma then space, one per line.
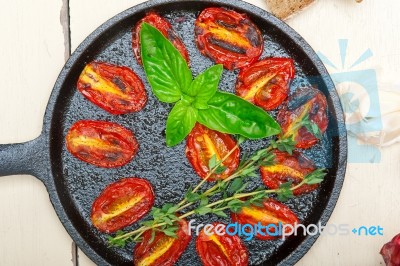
x=34, y=46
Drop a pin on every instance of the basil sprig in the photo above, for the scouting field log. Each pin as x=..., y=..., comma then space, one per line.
x=197, y=100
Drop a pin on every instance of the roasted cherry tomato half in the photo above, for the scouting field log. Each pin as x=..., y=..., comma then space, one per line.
x=100, y=143
x=165, y=28
x=287, y=168
x=116, y=89
x=228, y=37
x=203, y=143
x=305, y=102
x=266, y=82
x=121, y=204
x=272, y=212
x=163, y=250
x=221, y=250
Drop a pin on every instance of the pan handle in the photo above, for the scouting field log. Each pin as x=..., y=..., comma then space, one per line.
x=24, y=158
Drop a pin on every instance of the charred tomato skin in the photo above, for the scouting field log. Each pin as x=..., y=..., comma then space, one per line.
x=122, y=203
x=116, y=89
x=228, y=37
x=165, y=28
x=100, y=143
x=315, y=107
x=287, y=168
x=216, y=250
x=163, y=250
x=272, y=212
x=202, y=143
x=266, y=82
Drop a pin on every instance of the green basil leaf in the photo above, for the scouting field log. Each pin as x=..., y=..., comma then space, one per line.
x=180, y=122
x=188, y=100
x=205, y=85
x=200, y=105
x=231, y=114
x=166, y=69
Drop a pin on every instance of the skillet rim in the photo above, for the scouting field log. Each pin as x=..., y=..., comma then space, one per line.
x=48, y=175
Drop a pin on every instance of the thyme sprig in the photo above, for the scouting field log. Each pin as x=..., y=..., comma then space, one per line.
x=231, y=189
x=233, y=203
x=287, y=142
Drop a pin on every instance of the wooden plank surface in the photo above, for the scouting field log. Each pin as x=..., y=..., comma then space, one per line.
x=370, y=189
x=32, y=54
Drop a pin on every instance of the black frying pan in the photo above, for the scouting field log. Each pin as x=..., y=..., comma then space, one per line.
x=73, y=185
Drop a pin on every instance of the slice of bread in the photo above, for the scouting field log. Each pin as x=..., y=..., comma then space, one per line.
x=285, y=8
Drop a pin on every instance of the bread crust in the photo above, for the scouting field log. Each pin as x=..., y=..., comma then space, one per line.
x=283, y=9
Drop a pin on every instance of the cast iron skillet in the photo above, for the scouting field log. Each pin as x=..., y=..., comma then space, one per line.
x=73, y=185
